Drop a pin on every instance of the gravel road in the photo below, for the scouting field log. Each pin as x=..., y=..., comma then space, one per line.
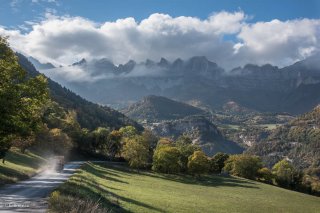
x=30, y=195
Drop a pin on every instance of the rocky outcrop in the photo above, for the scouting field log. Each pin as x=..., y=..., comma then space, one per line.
x=157, y=108
x=200, y=130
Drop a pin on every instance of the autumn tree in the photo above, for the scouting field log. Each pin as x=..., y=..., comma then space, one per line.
x=128, y=131
x=150, y=138
x=186, y=148
x=53, y=141
x=166, y=159
x=217, y=162
x=22, y=100
x=284, y=173
x=265, y=175
x=198, y=163
x=136, y=152
x=100, y=139
x=243, y=165
x=114, y=143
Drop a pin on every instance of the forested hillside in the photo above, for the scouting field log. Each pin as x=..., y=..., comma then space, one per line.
x=158, y=108
x=89, y=115
x=299, y=141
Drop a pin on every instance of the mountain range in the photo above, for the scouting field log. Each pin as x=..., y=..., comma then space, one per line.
x=266, y=88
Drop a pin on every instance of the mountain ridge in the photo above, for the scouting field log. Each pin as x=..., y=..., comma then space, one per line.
x=155, y=108
x=265, y=88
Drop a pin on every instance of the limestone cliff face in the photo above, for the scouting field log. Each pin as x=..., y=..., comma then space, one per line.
x=264, y=88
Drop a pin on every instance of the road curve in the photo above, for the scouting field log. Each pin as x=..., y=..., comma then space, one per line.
x=30, y=195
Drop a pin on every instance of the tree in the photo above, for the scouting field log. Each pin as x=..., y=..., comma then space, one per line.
x=22, y=100
x=198, y=163
x=100, y=139
x=23, y=144
x=265, y=175
x=53, y=141
x=136, y=152
x=128, y=131
x=217, y=162
x=114, y=143
x=284, y=173
x=150, y=138
x=186, y=148
x=243, y=165
x=166, y=159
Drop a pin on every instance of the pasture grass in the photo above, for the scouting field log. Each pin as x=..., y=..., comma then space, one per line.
x=118, y=188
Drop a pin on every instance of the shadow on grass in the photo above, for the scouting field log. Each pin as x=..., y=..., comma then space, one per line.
x=102, y=173
x=24, y=160
x=11, y=175
x=205, y=180
x=85, y=187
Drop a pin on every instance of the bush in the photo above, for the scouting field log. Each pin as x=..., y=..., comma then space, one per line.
x=60, y=203
x=166, y=159
x=198, y=163
x=246, y=166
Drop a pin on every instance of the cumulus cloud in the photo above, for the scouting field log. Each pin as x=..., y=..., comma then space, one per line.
x=279, y=42
x=224, y=37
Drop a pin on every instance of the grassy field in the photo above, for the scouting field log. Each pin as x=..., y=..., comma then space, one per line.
x=19, y=166
x=124, y=190
x=269, y=126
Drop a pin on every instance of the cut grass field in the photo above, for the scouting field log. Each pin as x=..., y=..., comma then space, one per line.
x=121, y=189
x=19, y=166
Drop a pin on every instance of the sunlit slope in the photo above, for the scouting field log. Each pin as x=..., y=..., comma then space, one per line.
x=115, y=184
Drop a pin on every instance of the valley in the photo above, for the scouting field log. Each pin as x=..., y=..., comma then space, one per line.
x=159, y=106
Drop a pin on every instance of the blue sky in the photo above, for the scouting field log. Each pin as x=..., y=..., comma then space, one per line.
x=229, y=32
x=15, y=12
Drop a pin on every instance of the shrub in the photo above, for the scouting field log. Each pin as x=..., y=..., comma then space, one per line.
x=60, y=203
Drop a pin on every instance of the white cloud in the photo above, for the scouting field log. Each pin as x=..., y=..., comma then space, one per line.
x=279, y=42
x=63, y=40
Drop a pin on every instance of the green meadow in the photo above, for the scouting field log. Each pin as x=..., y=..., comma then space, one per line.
x=117, y=187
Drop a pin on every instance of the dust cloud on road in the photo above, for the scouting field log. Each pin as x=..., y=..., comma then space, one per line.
x=30, y=195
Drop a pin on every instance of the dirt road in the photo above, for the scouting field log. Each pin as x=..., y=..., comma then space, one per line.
x=30, y=195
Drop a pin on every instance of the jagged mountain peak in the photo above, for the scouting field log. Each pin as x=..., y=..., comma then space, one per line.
x=40, y=66
x=163, y=62
x=79, y=63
